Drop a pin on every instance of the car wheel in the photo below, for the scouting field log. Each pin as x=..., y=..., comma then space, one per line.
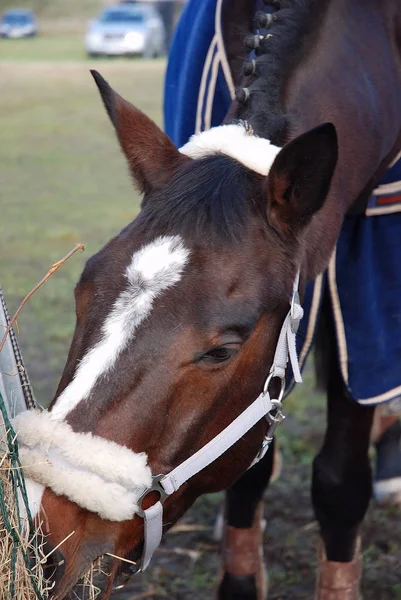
x=147, y=53
x=157, y=51
x=161, y=51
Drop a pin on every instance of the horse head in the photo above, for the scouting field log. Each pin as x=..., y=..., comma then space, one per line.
x=177, y=323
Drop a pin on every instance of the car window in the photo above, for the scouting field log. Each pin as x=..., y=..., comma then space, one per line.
x=16, y=19
x=121, y=17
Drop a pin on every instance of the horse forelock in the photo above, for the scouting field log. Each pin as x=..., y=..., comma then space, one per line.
x=209, y=200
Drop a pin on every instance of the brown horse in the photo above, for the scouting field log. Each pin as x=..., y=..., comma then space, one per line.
x=178, y=316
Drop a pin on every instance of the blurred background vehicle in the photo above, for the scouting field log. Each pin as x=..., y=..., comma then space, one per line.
x=169, y=11
x=127, y=29
x=18, y=23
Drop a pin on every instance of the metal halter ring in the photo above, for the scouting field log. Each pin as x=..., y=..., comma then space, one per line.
x=155, y=486
x=282, y=388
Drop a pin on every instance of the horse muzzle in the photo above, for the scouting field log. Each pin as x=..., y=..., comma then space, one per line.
x=77, y=578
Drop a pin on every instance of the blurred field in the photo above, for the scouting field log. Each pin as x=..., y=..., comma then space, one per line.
x=51, y=9
x=63, y=180
x=67, y=48
x=52, y=48
x=59, y=17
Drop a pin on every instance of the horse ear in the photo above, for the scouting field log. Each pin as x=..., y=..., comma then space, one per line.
x=300, y=177
x=151, y=155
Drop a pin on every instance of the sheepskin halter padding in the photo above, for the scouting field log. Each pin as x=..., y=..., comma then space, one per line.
x=238, y=142
x=95, y=473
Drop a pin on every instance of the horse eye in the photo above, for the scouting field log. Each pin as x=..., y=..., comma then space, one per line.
x=219, y=354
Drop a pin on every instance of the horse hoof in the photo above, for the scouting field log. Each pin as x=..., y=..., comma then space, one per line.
x=243, y=574
x=338, y=580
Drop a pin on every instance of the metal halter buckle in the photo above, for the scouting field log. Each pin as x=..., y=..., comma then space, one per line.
x=294, y=322
x=155, y=486
x=274, y=417
x=274, y=421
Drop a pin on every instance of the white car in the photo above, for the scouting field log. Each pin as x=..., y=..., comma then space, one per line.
x=129, y=30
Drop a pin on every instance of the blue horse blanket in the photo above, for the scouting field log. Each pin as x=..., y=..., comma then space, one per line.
x=364, y=274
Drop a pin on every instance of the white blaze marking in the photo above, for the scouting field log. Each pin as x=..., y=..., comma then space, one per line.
x=153, y=269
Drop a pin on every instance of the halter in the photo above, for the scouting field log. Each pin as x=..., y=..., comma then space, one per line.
x=262, y=407
x=53, y=458
x=41, y=446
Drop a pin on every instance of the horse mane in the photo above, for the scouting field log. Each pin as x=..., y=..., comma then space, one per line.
x=206, y=197
x=276, y=50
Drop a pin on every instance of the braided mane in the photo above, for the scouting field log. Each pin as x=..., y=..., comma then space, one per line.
x=285, y=32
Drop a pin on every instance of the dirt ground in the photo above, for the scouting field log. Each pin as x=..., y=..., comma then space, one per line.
x=186, y=565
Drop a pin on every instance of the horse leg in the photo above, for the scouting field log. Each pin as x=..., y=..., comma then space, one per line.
x=341, y=488
x=386, y=437
x=243, y=573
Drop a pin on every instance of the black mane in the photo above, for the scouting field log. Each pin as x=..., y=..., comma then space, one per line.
x=206, y=197
x=294, y=31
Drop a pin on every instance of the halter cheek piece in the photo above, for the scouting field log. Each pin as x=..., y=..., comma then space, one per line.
x=262, y=407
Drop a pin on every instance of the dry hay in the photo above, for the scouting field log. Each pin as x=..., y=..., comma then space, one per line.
x=22, y=542
x=22, y=555
x=21, y=547
x=86, y=589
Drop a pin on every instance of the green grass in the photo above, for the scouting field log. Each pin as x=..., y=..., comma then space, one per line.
x=63, y=47
x=63, y=180
x=68, y=47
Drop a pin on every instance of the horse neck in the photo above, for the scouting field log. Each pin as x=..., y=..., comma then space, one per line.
x=344, y=77
x=346, y=81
